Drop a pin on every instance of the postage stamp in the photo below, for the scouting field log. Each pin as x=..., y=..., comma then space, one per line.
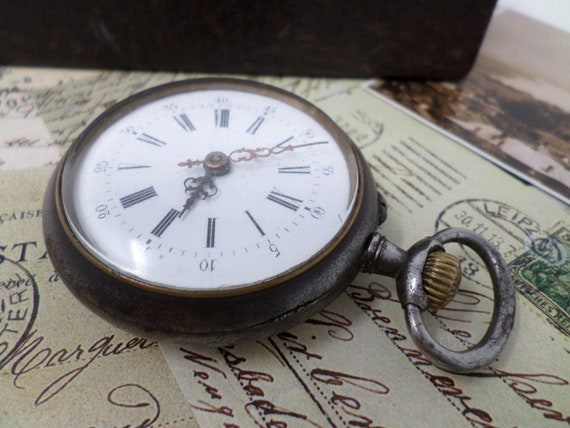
x=542, y=275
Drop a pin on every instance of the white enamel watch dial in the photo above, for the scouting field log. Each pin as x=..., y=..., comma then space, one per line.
x=141, y=197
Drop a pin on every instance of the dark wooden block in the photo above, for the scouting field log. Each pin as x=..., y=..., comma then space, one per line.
x=436, y=39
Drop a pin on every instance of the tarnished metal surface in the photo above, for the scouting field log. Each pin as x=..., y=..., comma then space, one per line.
x=408, y=267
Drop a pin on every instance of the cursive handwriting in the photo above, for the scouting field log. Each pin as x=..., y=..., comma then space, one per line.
x=526, y=385
x=267, y=408
x=349, y=405
x=293, y=344
x=338, y=378
x=134, y=396
x=364, y=296
x=341, y=385
x=202, y=360
x=207, y=368
x=338, y=323
x=249, y=379
x=31, y=355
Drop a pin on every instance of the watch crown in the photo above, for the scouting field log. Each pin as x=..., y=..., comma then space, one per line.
x=440, y=278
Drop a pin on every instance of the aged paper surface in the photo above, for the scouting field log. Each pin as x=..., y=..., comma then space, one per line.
x=353, y=364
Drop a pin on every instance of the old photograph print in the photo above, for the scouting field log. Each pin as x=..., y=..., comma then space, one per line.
x=509, y=111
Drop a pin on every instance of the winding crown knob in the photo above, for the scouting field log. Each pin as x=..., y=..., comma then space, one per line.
x=441, y=277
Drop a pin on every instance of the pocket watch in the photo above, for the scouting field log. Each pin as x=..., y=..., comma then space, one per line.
x=216, y=210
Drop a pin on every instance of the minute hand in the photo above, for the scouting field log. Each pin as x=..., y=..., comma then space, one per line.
x=245, y=154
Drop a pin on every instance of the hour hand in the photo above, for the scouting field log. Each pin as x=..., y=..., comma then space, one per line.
x=198, y=188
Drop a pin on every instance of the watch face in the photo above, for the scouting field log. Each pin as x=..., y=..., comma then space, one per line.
x=209, y=186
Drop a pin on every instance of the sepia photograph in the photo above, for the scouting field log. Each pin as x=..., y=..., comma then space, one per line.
x=512, y=109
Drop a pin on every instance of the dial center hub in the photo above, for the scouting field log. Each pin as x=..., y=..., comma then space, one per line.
x=217, y=163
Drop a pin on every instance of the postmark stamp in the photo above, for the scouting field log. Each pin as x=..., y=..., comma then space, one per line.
x=538, y=259
x=507, y=228
x=18, y=306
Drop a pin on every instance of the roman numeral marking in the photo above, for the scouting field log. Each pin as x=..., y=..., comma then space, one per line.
x=255, y=125
x=151, y=140
x=184, y=122
x=165, y=222
x=138, y=197
x=282, y=143
x=287, y=140
x=211, y=233
x=222, y=118
x=306, y=169
x=123, y=166
x=255, y=223
x=285, y=200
